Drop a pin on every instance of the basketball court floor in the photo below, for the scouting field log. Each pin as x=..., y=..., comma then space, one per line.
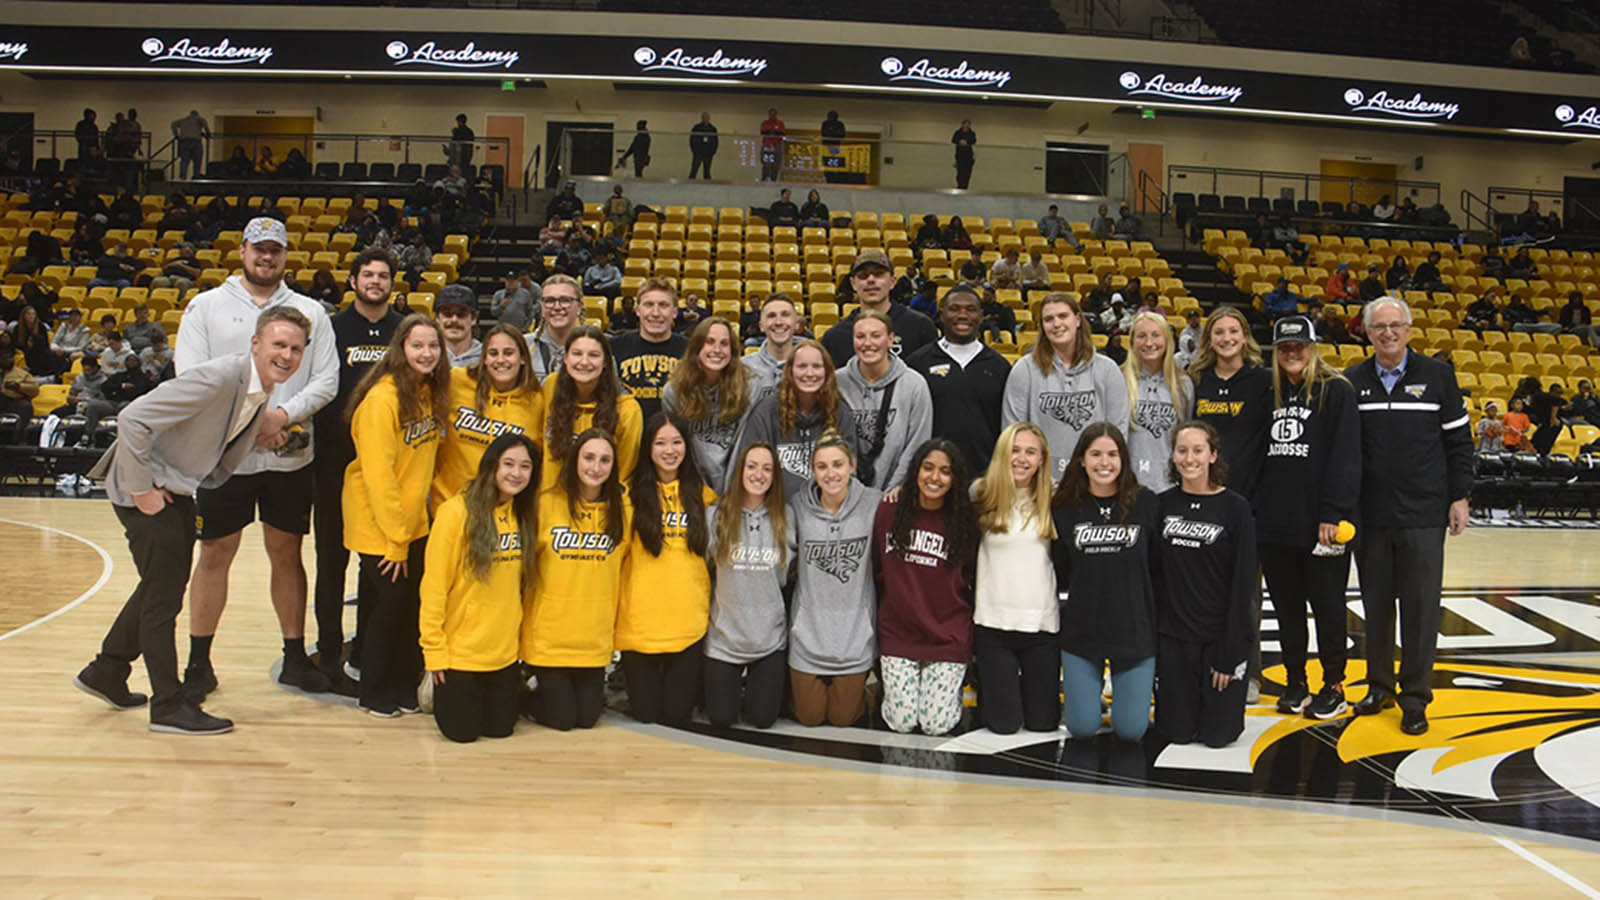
x=310, y=798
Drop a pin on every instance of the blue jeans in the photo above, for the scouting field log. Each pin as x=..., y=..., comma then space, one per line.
x=1131, y=684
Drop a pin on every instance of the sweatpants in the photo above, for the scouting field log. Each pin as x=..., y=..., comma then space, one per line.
x=921, y=694
x=391, y=657
x=568, y=697
x=327, y=516
x=662, y=686
x=1188, y=707
x=1297, y=578
x=162, y=547
x=1404, y=564
x=839, y=700
x=470, y=705
x=1008, y=700
x=756, y=701
x=1131, y=682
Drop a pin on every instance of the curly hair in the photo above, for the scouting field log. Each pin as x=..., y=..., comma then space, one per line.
x=960, y=516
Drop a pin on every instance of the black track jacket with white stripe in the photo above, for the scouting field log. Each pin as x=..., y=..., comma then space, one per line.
x=1416, y=444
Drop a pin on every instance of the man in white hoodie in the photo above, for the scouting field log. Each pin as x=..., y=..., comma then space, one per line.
x=276, y=477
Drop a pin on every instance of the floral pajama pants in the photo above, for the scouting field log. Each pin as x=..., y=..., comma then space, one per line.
x=926, y=694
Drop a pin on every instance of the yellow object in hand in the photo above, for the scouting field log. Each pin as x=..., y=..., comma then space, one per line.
x=1345, y=533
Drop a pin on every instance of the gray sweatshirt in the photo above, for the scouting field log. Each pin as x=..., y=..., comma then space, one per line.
x=909, y=419
x=765, y=369
x=831, y=631
x=712, y=440
x=1155, y=416
x=748, y=621
x=794, y=447
x=1065, y=402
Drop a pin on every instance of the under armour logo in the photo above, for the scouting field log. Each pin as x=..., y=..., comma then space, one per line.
x=1194, y=506
x=1105, y=511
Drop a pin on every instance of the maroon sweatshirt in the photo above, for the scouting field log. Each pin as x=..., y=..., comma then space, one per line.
x=924, y=602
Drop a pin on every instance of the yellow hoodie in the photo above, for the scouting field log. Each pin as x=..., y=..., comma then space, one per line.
x=465, y=623
x=573, y=612
x=469, y=432
x=386, y=488
x=666, y=599
x=630, y=431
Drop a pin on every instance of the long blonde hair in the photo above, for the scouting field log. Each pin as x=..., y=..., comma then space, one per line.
x=995, y=493
x=1205, y=357
x=1131, y=369
x=689, y=380
x=1317, y=377
x=789, y=393
x=1044, y=355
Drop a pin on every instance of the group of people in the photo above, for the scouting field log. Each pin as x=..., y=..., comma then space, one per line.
x=760, y=531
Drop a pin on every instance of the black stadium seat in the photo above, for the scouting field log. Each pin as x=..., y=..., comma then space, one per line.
x=1232, y=203
x=381, y=171
x=1209, y=203
x=434, y=172
x=329, y=170
x=1306, y=208
x=354, y=171
x=1258, y=205
x=46, y=167
x=408, y=172
x=1283, y=206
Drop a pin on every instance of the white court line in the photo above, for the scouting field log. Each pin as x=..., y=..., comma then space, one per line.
x=1551, y=868
x=105, y=575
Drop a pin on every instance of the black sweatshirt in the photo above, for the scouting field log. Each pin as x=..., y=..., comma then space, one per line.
x=1103, y=574
x=360, y=344
x=1312, y=470
x=644, y=366
x=1206, y=575
x=966, y=400
x=1417, y=443
x=912, y=331
x=1239, y=408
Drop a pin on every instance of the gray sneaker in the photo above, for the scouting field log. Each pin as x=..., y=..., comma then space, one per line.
x=1252, y=692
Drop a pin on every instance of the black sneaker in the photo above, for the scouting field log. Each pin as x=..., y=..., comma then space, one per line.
x=199, y=680
x=302, y=674
x=339, y=683
x=1294, y=699
x=1328, y=703
x=381, y=711
x=94, y=681
x=186, y=718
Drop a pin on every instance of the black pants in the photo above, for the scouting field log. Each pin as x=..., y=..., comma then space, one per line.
x=662, y=686
x=1009, y=700
x=327, y=511
x=162, y=547
x=1545, y=436
x=568, y=697
x=756, y=701
x=963, y=172
x=701, y=159
x=1188, y=707
x=391, y=658
x=1296, y=578
x=1404, y=564
x=470, y=705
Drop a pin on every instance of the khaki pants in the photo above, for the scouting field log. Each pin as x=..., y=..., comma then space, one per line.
x=838, y=699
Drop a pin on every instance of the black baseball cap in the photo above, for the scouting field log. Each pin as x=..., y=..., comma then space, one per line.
x=1293, y=329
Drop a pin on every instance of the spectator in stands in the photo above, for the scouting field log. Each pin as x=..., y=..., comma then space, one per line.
x=1128, y=226
x=955, y=235
x=1356, y=325
x=269, y=210
x=415, y=257
x=1489, y=433
x=86, y=247
x=30, y=337
x=997, y=317
x=964, y=139
x=1384, y=209
x=1482, y=314
x=971, y=271
x=603, y=279
x=1287, y=237
x=95, y=168
x=190, y=132
x=515, y=303
x=17, y=385
x=1099, y=299
x=832, y=130
x=294, y=165
x=1035, y=274
x=1585, y=403
x=42, y=250
x=1006, y=271
x=116, y=269
x=1117, y=319
x=155, y=360
x=1355, y=211
x=691, y=313
x=1576, y=319
x=815, y=214
x=783, y=211
x=772, y=132
x=553, y=236
x=624, y=319
x=182, y=271
x=565, y=205
x=125, y=211
x=71, y=339
x=238, y=163
x=1522, y=317
x=1494, y=266
x=1372, y=287
x=1265, y=239
x=929, y=237
x=578, y=255
x=638, y=149
x=461, y=138
x=1102, y=225
x=1053, y=227
x=1521, y=266
x=1341, y=287
x=325, y=290
x=266, y=164
x=1530, y=220
x=1516, y=428
x=453, y=183
x=141, y=332
x=87, y=133
x=909, y=284
x=1188, y=339
x=101, y=339
x=178, y=215
x=618, y=211
x=702, y=146
x=1331, y=328
x=1282, y=300
x=456, y=308
x=208, y=225
x=1407, y=213
x=1398, y=278
x=117, y=357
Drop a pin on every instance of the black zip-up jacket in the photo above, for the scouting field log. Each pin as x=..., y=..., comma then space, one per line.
x=1416, y=444
x=1312, y=469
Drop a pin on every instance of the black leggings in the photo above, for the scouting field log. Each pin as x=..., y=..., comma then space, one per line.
x=1188, y=707
x=662, y=686
x=1007, y=700
x=470, y=705
x=1295, y=577
x=569, y=697
x=391, y=657
x=757, y=700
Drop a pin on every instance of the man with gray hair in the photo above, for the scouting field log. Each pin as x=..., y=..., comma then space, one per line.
x=1416, y=451
x=191, y=131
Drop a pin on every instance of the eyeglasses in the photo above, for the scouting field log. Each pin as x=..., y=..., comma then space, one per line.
x=559, y=300
x=1389, y=326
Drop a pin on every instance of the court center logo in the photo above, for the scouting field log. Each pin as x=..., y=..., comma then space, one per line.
x=1196, y=90
x=717, y=64
x=1414, y=107
x=188, y=50
x=429, y=53
x=1570, y=117
x=12, y=49
x=959, y=75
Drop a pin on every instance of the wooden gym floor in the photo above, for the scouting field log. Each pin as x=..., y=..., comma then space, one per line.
x=313, y=799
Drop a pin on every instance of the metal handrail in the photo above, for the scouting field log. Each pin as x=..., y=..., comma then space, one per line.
x=1163, y=199
x=1306, y=178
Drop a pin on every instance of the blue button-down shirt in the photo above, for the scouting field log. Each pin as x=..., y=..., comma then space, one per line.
x=1391, y=377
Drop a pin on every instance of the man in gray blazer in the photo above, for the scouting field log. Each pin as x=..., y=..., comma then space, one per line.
x=188, y=433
